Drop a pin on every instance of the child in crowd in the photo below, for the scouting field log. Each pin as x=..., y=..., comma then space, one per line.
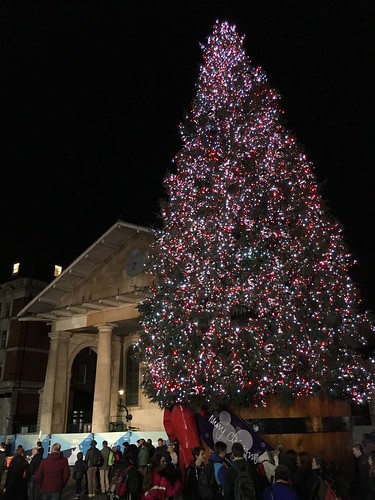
x=79, y=472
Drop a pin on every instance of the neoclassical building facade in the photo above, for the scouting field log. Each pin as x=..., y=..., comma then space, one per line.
x=91, y=312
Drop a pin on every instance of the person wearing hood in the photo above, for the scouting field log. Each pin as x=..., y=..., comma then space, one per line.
x=53, y=474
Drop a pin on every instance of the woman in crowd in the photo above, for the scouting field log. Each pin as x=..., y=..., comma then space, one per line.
x=303, y=475
x=16, y=480
x=155, y=485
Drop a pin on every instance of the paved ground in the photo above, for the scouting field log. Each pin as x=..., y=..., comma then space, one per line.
x=69, y=493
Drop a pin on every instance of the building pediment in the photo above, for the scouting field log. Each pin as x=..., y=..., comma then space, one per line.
x=107, y=277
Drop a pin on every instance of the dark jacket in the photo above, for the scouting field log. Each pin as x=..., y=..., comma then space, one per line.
x=191, y=481
x=315, y=491
x=35, y=463
x=219, y=468
x=362, y=471
x=53, y=473
x=16, y=479
x=79, y=470
x=2, y=460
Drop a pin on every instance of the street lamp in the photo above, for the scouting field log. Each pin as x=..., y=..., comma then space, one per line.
x=122, y=407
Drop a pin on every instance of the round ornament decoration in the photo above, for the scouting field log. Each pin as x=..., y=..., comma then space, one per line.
x=288, y=366
x=269, y=349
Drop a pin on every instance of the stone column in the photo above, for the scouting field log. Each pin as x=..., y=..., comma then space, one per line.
x=102, y=393
x=53, y=411
x=116, y=350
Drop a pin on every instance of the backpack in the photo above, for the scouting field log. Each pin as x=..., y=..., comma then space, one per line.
x=207, y=485
x=244, y=488
x=326, y=490
x=121, y=488
x=330, y=494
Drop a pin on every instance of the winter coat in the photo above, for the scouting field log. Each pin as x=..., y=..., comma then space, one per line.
x=80, y=468
x=191, y=480
x=15, y=486
x=106, y=451
x=220, y=469
x=35, y=463
x=53, y=473
x=161, y=488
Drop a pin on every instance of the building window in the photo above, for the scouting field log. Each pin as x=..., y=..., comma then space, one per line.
x=57, y=271
x=132, y=377
x=1, y=371
x=16, y=269
x=3, y=339
x=7, y=310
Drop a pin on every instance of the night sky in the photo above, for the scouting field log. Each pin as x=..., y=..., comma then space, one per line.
x=92, y=93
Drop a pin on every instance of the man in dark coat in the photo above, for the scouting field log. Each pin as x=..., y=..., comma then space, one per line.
x=362, y=470
x=32, y=485
x=53, y=474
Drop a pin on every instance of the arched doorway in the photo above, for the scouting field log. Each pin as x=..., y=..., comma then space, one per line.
x=81, y=394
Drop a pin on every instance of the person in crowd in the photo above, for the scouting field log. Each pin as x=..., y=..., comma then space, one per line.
x=151, y=448
x=192, y=474
x=316, y=487
x=3, y=461
x=171, y=447
x=337, y=480
x=134, y=478
x=53, y=474
x=371, y=480
x=217, y=458
x=125, y=445
x=117, y=452
x=39, y=446
x=15, y=486
x=79, y=473
x=155, y=485
x=9, y=448
x=362, y=470
x=269, y=460
x=143, y=456
x=104, y=467
x=161, y=446
x=117, y=455
x=171, y=472
x=290, y=460
x=32, y=485
x=281, y=489
x=239, y=463
x=303, y=474
x=93, y=457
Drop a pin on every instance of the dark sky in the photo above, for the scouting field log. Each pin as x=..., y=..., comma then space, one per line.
x=92, y=93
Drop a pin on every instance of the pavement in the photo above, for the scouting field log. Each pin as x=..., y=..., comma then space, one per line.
x=70, y=492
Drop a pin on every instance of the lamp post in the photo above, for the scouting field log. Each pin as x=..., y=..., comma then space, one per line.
x=122, y=407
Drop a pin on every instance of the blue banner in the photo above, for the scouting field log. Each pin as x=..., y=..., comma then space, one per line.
x=227, y=427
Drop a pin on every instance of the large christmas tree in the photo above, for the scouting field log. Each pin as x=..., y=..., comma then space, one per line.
x=252, y=295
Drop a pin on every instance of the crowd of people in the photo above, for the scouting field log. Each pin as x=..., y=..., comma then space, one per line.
x=151, y=472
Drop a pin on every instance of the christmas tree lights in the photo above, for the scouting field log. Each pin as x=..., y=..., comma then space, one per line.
x=252, y=295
